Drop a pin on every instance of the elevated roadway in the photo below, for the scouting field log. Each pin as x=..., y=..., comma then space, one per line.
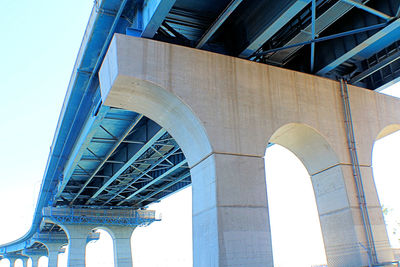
x=111, y=157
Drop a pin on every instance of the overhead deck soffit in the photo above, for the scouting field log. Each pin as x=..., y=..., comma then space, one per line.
x=104, y=157
x=246, y=28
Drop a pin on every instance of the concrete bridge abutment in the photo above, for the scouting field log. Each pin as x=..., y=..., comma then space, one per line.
x=223, y=111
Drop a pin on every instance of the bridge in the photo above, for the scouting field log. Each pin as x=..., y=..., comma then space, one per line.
x=169, y=94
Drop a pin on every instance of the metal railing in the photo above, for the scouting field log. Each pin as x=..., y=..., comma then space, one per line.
x=128, y=217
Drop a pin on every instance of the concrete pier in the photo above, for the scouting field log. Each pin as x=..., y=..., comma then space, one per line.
x=53, y=251
x=34, y=255
x=77, y=240
x=223, y=111
x=122, y=244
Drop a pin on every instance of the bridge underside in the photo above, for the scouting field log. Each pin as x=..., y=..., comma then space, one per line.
x=158, y=117
x=223, y=112
x=123, y=160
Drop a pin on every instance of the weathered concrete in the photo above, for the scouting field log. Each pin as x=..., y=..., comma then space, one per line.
x=35, y=260
x=77, y=240
x=79, y=235
x=53, y=249
x=223, y=111
x=121, y=236
x=53, y=243
x=25, y=261
x=34, y=255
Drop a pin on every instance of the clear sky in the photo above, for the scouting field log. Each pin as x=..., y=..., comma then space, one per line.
x=40, y=41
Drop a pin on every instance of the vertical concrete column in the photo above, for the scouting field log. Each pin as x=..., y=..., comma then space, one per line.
x=24, y=261
x=12, y=260
x=122, y=245
x=230, y=212
x=35, y=260
x=77, y=241
x=340, y=217
x=53, y=250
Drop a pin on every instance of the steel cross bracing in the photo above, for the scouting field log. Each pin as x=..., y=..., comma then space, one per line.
x=124, y=158
x=245, y=28
x=102, y=217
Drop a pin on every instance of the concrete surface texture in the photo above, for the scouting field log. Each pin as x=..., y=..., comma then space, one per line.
x=223, y=111
x=77, y=241
x=53, y=250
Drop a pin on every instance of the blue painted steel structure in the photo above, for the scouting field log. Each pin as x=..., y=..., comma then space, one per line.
x=104, y=157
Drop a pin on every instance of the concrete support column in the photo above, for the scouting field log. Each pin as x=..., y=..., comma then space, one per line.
x=12, y=260
x=53, y=250
x=24, y=261
x=35, y=260
x=122, y=245
x=230, y=212
x=340, y=216
x=77, y=240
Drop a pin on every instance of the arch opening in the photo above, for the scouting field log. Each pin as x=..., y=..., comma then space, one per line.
x=100, y=252
x=173, y=234
x=43, y=261
x=18, y=263
x=295, y=226
x=172, y=114
x=386, y=169
x=4, y=263
x=318, y=181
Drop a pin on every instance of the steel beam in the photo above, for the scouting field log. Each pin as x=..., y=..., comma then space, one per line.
x=313, y=14
x=390, y=59
x=220, y=20
x=135, y=179
x=108, y=155
x=387, y=34
x=323, y=21
x=143, y=149
x=322, y=39
x=161, y=189
x=165, y=174
x=81, y=145
x=265, y=35
x=153, y=14
x=368, y=9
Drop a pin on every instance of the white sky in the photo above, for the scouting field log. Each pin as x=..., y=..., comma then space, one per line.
x=40, y=40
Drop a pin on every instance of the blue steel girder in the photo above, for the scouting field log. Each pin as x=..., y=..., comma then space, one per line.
x=142, y=174
x=368, y=9
x=323, y=21
x=153, y=14
x=218, y=22
x=163, y=188
x=108, y=155
x=81, y=145
x=128, y=163
x=161, y=157
x=286, y=15
x=153, y=181
x=373, y=44
x=378, y=66
x=84, y=147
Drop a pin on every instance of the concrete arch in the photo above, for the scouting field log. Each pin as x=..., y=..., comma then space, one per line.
x=221, y=111
x=164, y=108
x=387, y=130
x=310, y=146
x=329, y=184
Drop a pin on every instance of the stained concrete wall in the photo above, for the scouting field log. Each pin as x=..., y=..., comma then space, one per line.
x=223, y=111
